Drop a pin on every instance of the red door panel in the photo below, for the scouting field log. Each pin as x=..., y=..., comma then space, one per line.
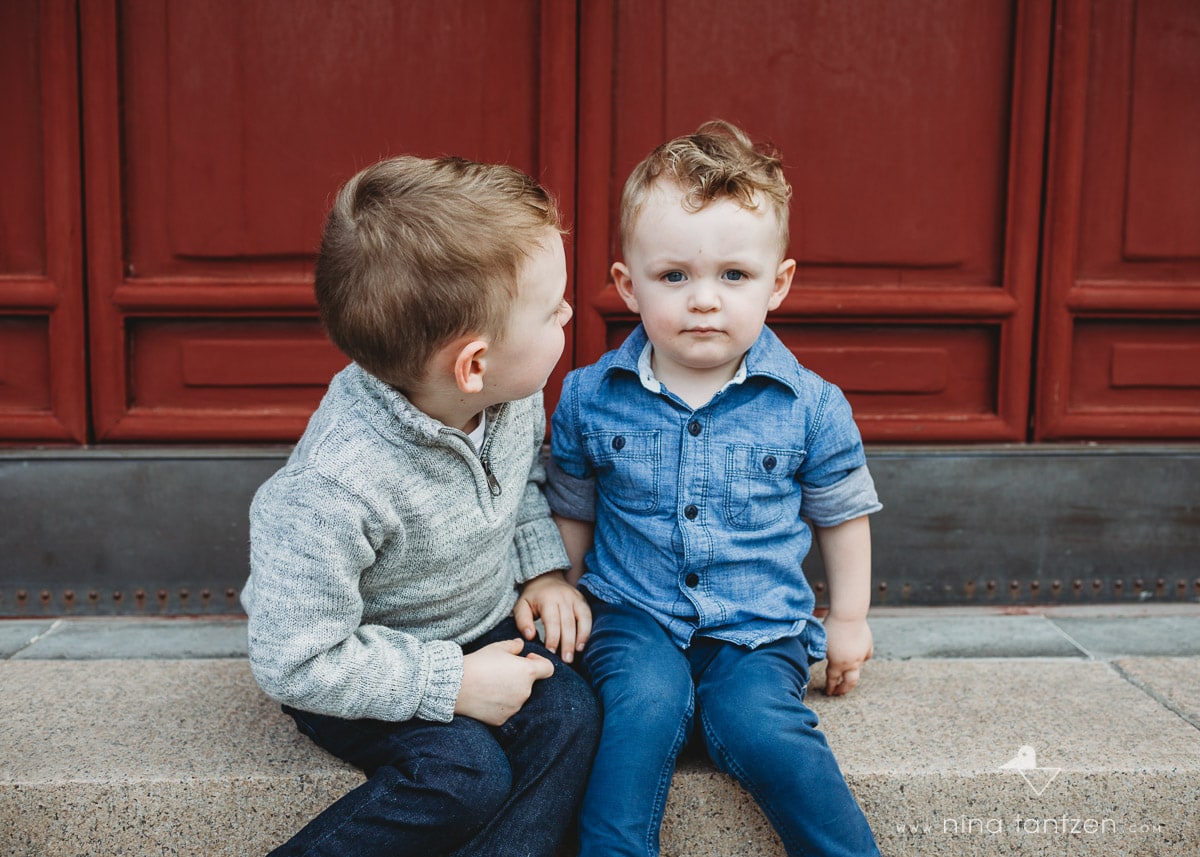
x=218, y=133
x=215, y=133
x=42, y=384
x=919, y=372
x=912, y=136
x=215, y=366
x=1136, y=365
x=1121, y=334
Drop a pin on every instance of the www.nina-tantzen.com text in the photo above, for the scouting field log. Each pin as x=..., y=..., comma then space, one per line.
x=1064, y=825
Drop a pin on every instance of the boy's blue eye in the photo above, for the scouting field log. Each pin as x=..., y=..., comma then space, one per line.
x=734, y=275
x=673, y=276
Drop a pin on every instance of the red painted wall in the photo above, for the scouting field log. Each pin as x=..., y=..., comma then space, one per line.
x=995, y=214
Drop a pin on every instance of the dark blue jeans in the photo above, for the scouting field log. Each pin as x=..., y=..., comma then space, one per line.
x=462, y=787
x=749, y=704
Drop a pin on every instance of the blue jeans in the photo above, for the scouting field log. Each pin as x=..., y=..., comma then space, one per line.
x=752, y=721
x=462, y=787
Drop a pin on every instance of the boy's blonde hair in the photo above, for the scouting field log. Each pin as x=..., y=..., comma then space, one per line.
x=717, y=162
x=416, y=252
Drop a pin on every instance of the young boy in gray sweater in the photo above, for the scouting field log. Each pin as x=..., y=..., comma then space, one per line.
x=400, y=557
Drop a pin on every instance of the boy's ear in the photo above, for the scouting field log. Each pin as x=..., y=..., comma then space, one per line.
x=469, y=365
x=624, y=283
x=783, y=283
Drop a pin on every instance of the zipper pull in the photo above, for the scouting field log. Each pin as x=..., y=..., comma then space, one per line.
x=493, y=482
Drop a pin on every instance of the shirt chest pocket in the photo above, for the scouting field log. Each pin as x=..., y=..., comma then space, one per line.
x=626, y=466
x=760, y=485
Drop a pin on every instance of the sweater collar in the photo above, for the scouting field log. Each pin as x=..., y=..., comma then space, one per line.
x=394, y=416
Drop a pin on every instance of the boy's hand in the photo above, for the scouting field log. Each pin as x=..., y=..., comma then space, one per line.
x=563, y=610
x=497, y=681
x=850, y=645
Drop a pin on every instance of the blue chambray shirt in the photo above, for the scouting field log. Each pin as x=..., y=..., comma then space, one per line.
x=700, y=515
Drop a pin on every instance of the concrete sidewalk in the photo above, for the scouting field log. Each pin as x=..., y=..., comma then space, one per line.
x=1068, y=730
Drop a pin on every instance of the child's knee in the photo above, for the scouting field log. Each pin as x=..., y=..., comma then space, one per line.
x=647, y=704
x=584, y=712
x=465, y=770
x=569, y=715
x=455, y=798
x=472, y=789
x=745, y=729
x=769, y=714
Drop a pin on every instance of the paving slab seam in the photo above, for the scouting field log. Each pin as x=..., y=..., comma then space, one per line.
x=1162, y=700
x=36, y=638
x=1087, y=653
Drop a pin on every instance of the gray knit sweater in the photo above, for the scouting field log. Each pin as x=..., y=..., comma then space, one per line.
x=384, y=543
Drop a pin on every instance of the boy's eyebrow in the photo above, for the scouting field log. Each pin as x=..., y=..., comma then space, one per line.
x=672, y=261
x=663, y=259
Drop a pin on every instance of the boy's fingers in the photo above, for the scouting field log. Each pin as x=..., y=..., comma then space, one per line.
x=542, y=668
x=568, y=636
x=583, y=629
x=833, y=677
x=550, y=621
x=523, y=616
x=849, y=681
x=838, y=681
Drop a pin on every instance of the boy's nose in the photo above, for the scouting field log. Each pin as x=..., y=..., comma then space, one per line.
x=704, y=297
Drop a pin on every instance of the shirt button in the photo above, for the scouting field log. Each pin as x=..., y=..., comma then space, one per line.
x=692, y=580
x=690, y=512
x=769, y=462
x=618, y=443
x=694, y=428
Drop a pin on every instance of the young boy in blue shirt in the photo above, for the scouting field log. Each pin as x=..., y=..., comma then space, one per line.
x=406, y=548
x=685, y=465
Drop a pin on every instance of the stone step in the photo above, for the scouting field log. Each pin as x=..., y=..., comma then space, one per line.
x=169, y=748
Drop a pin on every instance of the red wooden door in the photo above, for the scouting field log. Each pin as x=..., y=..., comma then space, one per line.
x=42, y=384
x=216, y=134
x=1120, y=342
x=912, y=133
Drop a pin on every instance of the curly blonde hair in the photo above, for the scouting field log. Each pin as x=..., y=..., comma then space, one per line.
x=719, y=161
x=416, y=252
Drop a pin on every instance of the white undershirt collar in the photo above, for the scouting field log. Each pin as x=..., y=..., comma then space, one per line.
x=646, y=374
x=480, y=433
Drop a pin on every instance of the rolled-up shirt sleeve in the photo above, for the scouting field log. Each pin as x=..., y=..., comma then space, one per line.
x=538, y=546
x=847, y=499
x=837, y=486
x=570, y=483
x=570, y=496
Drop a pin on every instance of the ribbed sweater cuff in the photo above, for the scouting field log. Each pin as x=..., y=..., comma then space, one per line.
x=539, y=549
x=445, y=680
